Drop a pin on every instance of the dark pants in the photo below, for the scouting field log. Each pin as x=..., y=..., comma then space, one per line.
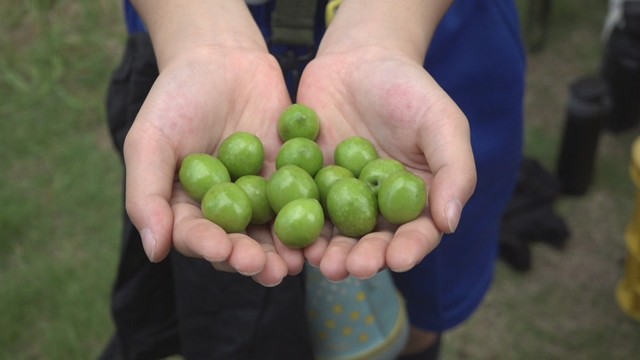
x=182, y=305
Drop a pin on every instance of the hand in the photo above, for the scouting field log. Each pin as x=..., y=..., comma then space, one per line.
x=394, y=102
x=200, y=98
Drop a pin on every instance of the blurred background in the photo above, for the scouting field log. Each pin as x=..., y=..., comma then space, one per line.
x=554, y=295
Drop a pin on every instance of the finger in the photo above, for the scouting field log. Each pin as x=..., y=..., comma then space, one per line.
x=247, y=255
x=274, y=272
x=198, y=237
x=367, y=257
x=293, y=258
x=451, y=161
x=275, y=267
x=333, y=263
x=194, y=235
x=314, y=252
x=411, y=243
x=150, y=168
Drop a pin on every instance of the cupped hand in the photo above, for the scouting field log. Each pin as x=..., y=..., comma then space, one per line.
x=200, y=98
x=395, y=103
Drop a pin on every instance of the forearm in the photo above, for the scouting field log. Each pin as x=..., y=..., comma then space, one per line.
x=404, y=26
x=176, y=26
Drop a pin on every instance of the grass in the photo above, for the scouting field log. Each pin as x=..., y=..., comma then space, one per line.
x=60, y=198
x=59, y=178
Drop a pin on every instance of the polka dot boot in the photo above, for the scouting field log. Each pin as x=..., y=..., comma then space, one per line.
x=355, y=319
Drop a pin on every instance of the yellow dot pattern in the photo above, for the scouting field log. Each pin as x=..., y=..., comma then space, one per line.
x=342, y=314
x=330, y=324
x=363, y=338
x=369, y=320
x=347, y=331
x=355, y=318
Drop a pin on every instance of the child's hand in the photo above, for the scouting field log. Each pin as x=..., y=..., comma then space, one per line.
x=393, y=102
x=198, y=100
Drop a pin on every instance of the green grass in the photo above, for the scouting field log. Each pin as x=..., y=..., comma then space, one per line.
x=59, y=178
x=60, y=198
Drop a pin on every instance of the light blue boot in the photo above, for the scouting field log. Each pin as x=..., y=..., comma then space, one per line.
x=355, y=319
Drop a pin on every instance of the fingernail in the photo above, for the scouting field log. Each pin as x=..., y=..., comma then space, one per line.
x=268, y=285
x=248, y=273
x=336, y=281
x=452, y=212
x=365, y=277
x=148, y=243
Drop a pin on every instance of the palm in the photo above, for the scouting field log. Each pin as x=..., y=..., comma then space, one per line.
x=397, y=105
x=192, y=107
x=201, y=103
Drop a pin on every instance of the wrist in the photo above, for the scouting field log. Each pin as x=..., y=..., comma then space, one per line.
x=404, y=29
x=177, y=29
x=206, y=46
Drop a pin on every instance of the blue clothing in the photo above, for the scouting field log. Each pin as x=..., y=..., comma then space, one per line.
x=477, y=57
x=132, y=19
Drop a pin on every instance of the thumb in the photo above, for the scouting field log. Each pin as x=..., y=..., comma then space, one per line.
x=451, y=161
x=150, y=165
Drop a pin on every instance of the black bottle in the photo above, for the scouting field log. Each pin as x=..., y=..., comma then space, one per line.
x=621, y=69
x=588, y=108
